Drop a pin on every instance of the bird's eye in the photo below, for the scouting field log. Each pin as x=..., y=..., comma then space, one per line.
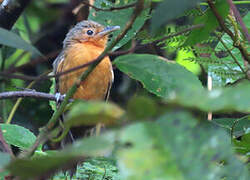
x=90, y=32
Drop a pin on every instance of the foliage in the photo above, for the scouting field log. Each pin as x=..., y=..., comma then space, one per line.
x=156, y=127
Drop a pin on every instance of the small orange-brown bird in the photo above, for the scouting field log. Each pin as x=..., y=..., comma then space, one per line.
x=84, y=43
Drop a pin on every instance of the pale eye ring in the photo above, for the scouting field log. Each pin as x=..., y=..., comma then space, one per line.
x=89, y=32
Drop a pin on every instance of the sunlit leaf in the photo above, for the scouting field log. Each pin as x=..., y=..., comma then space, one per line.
x=52, y=91
x=18, y=135
x=243, y=145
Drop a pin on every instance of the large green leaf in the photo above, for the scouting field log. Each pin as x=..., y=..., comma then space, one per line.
x=158, y=75
x=118, y=17
x=42, y=166
x=18, y=135
x=168, y=10
x=221, y=99
x=11, y=39
x=179, y=86
x=177, y=148
x=210, y=22
x=91, y=113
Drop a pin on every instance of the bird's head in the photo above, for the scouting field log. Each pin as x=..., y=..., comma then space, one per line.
x=89, y=31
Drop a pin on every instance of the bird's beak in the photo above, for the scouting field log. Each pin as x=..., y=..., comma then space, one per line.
x=107, y=30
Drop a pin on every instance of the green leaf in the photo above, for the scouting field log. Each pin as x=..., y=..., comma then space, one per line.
x=91, y=113
x=141, y=107
x=96, y=169
x=52, y=91
x=18, y=135
x=240, y=126
x=118, y=18
x=11, y=39
x=175, y=147
x=144, y=155
x=210, y=22
x=168, y=10
x=227, y=71
x=5, y=159
x=41, y=166
x=234, y=98
x=243, y=146
x=157, y=75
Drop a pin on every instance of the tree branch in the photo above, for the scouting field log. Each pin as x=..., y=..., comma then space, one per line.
x=239, y=19
x=224, y=27
x=30, y=93
x=110, y=9
x=178, y=33
x=3, y=145
x=10, y=10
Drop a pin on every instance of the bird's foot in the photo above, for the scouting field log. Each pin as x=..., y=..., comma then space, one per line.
x=59, y=97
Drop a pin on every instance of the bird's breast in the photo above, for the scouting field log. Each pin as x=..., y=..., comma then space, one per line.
x=96, y=85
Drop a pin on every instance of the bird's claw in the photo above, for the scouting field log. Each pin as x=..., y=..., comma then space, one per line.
x=59, y=97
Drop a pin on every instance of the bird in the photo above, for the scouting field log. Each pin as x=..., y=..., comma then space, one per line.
x=83, y=44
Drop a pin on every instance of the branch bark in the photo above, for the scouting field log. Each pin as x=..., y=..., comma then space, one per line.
x=224, y=27
x=30, y=93
x=239, y=19
x=10, y=10
x=3, y=145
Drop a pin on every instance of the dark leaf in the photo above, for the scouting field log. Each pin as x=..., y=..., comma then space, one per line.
x=11, y=39
x=168, y=10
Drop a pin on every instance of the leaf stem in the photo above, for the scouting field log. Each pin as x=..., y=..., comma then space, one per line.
x=231, y=54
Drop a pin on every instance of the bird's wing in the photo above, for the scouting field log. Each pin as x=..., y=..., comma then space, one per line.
x=56, y=63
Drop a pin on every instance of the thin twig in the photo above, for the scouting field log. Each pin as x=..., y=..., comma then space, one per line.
x=10, y=11
x=179, y=33
x=231, y=54
x=5, y=146
x=32, y=94
x=239, y=19
x=130, y=50
x=111, y=8
x=224, y=27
